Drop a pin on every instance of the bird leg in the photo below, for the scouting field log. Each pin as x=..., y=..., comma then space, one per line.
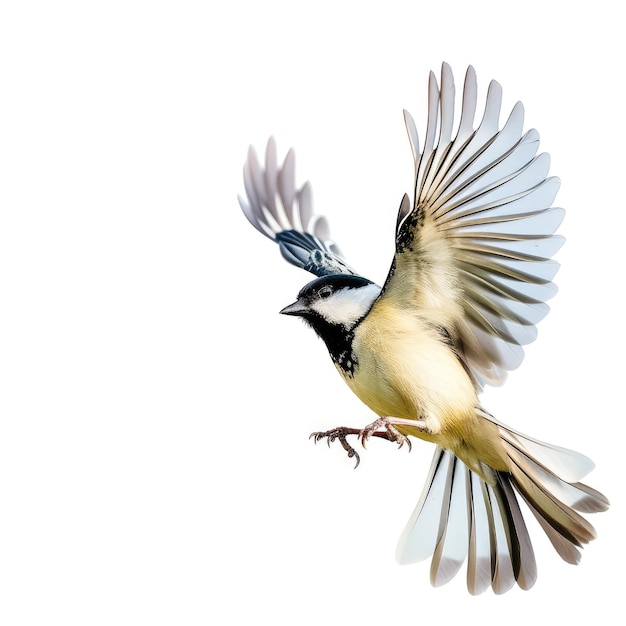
x=391, y=433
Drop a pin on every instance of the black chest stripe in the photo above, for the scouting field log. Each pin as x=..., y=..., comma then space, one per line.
x=338, y=340
x=340, y=348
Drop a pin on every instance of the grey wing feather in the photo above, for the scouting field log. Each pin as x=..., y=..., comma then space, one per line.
x=485, y=195
x=284, y=213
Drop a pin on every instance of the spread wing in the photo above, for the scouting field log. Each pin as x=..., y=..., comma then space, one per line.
x=284, y=213
x=473, y=252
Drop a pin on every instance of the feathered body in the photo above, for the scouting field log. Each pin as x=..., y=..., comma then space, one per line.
x=466, y=287
x=406, y=369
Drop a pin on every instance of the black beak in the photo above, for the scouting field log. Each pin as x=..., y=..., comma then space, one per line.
x=297, y=308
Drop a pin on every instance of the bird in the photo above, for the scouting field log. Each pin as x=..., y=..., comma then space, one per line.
x=471, y=274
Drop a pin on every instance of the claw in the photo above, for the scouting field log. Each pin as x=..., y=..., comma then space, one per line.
x=339, y=434
x=355, y=454
x=391, y=433
x=398, y=437
x=370, y=430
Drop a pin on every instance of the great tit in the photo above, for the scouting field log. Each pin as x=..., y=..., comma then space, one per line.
x=471, y=274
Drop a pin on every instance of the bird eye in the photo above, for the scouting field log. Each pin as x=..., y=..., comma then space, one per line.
x=325, y=291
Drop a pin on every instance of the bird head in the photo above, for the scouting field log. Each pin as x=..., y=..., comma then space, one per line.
x=337, y=300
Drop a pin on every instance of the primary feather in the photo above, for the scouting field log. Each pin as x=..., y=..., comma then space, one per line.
x=284, y=213
x=477, y=243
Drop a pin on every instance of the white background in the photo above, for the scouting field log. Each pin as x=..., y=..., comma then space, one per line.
x=155, y=409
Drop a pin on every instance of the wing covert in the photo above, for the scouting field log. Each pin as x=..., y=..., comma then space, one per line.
x=284, y=213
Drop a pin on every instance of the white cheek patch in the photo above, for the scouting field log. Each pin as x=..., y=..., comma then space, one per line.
x=347, y=306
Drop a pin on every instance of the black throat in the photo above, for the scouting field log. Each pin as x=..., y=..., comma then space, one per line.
x=338, y=340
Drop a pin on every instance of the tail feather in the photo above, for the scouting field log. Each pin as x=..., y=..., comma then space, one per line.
x=563, y=518
x=565, y=548
x=481, y=561
x=419, y=539
x=503, y=573
x=575, y=495
x=459, y=515
x=569, y=465
x=518, y=539
x=452, y=537
x=463, y=515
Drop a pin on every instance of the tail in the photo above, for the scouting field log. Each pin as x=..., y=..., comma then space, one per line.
x=460, y=515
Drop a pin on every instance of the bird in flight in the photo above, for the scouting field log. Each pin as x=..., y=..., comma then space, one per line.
x=468, y=283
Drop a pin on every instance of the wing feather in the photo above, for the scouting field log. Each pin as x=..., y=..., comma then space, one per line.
x=475, y=247
x=284, y=213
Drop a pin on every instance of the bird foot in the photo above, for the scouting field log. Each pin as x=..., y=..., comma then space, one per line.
x=340, y=435
x=391, y=433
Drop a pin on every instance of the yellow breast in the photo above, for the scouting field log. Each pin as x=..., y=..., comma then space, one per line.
x=405, y=370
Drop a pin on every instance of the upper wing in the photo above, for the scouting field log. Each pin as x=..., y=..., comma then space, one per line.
x=280, y=211
x=473, y=253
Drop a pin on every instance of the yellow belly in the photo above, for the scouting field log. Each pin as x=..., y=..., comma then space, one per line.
x=405, y=370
